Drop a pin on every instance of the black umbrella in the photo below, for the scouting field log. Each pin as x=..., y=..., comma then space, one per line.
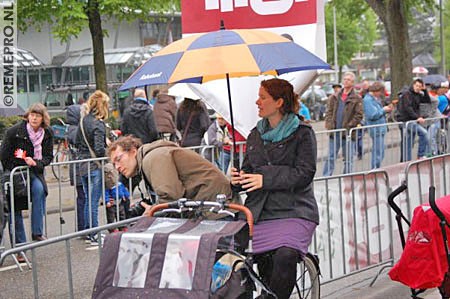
x=434, y=79
x=5, y=112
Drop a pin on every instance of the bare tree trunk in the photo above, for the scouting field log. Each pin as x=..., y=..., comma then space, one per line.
x=95, y=27
x=393, y=15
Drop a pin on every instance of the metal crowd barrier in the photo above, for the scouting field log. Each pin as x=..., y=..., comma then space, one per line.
x=354, y=233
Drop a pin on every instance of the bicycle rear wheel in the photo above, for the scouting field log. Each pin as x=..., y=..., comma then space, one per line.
x=61, y=172
x=308, y=280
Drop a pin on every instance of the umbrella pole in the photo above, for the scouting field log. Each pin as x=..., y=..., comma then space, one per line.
x=235, y=163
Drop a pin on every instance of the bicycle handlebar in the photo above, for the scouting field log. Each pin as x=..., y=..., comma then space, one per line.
x=181, y=203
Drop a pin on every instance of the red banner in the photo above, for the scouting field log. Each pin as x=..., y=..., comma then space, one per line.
x=205, y=15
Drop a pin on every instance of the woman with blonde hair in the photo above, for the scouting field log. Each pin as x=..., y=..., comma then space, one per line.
x=91, y=143
x=30, y=143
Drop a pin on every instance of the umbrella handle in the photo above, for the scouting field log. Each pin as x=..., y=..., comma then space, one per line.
x=235, y=161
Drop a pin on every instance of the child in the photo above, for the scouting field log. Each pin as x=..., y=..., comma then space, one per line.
x=111, y=190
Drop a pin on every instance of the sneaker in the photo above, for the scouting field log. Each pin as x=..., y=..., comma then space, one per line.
x=20, y=258
x=87, y=239
x=94, y=241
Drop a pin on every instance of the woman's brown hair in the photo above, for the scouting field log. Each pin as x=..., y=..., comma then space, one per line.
x=280, y=88
x=39, y=109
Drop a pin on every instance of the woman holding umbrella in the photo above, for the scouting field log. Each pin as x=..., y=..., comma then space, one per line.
x=277, y=174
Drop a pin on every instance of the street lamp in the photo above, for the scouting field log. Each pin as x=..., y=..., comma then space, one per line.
x=441, y=33
x=335, y=45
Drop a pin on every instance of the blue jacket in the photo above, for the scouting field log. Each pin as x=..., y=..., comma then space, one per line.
x=374, y=114
x=111, y=193
x=304, y=111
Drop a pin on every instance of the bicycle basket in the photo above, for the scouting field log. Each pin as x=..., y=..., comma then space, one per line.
x=59, y=132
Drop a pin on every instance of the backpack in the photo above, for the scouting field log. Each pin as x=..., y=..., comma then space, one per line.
x=398, y=107
x=73, y=115
x=111, y=175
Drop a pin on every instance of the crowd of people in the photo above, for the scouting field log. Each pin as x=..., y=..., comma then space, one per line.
x=348, y=109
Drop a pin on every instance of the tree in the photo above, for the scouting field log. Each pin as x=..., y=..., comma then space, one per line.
x=355, y=27
x=70, y=17
x=394, y=14
x=446, y=37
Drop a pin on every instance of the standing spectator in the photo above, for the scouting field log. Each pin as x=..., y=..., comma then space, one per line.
x=408, y=109
x=123, y=95
x=227, y=148
x=304, y=112
x=344, y=111
x=73, y=116
x=365, y=84
x=165, y=111
x=375, y=114
x=336, y=87
x=91, y=143
x=138, y=119
x=192, y=121
x=277, y=175
x=217, y=135
x=430, y=110
x=3, y=211
x=443, y=106
x=154, y=99
x=34, y=139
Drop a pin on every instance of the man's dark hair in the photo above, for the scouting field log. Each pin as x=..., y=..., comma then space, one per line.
x=417, y=80
x=155, y=93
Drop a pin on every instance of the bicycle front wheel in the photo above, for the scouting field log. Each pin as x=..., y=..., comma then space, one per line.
x=308, y=280
x=61, y=171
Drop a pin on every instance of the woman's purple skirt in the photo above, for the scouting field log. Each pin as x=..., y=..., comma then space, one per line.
x=295, y=233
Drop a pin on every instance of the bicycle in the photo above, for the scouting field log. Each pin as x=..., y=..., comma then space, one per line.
x=308, y=271
x=61, y=153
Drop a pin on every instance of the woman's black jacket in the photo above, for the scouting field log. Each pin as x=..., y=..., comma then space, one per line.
x=17, y=138
x=288, y=168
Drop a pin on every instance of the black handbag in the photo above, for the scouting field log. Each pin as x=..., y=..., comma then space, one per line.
x=20, y=188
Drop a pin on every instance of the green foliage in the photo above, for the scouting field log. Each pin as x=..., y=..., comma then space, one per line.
x=356, y=29
x=446, y=35
x=8, y=122
x=69, y=17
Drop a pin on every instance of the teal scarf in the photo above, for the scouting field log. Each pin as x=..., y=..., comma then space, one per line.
x=288, y=125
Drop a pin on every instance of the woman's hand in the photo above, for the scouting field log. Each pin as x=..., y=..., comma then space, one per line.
x=235, y=176
x=251, y=182
x=30, y=161
x=248, y=181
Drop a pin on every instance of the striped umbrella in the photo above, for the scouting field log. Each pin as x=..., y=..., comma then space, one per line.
x=223, y=54
x=208, y=56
